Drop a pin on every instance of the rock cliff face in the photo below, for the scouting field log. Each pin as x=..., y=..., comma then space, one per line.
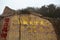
x=27, y=25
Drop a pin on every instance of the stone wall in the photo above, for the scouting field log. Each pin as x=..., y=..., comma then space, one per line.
x=28, y=26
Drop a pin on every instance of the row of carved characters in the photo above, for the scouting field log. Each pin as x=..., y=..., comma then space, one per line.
x=28, y=20
x=5, y=28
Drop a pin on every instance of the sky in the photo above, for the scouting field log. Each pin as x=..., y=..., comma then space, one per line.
x=19, y=4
